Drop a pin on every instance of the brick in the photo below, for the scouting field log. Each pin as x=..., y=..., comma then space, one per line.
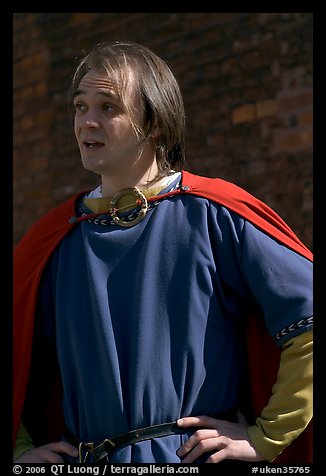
x=79, y=18
x=294, y=139
x=245, y=113
x=257, y=167
x=27, y=122
x=266, y=108
x=302, y=99
x=305, y=118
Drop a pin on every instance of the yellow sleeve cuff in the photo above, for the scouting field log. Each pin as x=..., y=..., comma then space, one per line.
x=23, y=442
x=290, y=407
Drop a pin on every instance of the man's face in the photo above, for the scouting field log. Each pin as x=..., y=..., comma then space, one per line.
x=106, y=139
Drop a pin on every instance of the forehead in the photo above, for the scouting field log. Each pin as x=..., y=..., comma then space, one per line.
x=95, y=81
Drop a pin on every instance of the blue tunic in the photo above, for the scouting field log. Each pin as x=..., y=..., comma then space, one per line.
x=147, y=320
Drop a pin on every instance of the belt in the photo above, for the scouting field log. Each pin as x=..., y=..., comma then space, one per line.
x=106, y=448
x=109, y=445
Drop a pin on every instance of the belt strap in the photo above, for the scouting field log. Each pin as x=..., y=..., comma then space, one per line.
x=109, y=445
x=106, y=448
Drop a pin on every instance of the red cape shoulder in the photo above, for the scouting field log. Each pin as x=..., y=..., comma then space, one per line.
x=246, y=205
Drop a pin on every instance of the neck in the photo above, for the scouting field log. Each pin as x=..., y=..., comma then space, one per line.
x=127, y=198
x=140, y=179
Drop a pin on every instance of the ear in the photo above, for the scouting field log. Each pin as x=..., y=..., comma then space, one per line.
x=156, y=132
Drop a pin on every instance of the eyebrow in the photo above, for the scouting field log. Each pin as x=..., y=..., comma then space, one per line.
x=107, y=93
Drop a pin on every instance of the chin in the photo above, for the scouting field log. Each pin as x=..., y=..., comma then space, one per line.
x=92, y=165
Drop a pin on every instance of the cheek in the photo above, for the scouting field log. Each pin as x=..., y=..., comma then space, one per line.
x=122, y=128
x=76, y=126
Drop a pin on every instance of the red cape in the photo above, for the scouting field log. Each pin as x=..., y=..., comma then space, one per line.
x=33, y=251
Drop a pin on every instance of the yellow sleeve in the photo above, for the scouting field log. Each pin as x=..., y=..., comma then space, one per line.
x=23, y=442
x=290, y=408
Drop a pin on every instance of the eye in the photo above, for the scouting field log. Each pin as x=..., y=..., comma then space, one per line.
x=108, y=108
x=79, y=106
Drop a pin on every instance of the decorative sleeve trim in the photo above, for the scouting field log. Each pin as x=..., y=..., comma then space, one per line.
x=307, y=323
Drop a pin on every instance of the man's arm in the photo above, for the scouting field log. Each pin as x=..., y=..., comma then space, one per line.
x=290, y=408
x=26, y=452
x=23, y=442
x=286, y=415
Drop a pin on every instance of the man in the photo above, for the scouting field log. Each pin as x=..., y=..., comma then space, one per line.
x=136, y=303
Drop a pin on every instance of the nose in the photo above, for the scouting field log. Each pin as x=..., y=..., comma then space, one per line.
x=91, y=123
x=89, y=120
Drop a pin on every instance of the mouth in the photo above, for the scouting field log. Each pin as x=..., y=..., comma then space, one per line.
x=92, y=144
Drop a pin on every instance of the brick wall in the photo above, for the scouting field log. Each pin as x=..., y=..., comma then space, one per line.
x=247, y=85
